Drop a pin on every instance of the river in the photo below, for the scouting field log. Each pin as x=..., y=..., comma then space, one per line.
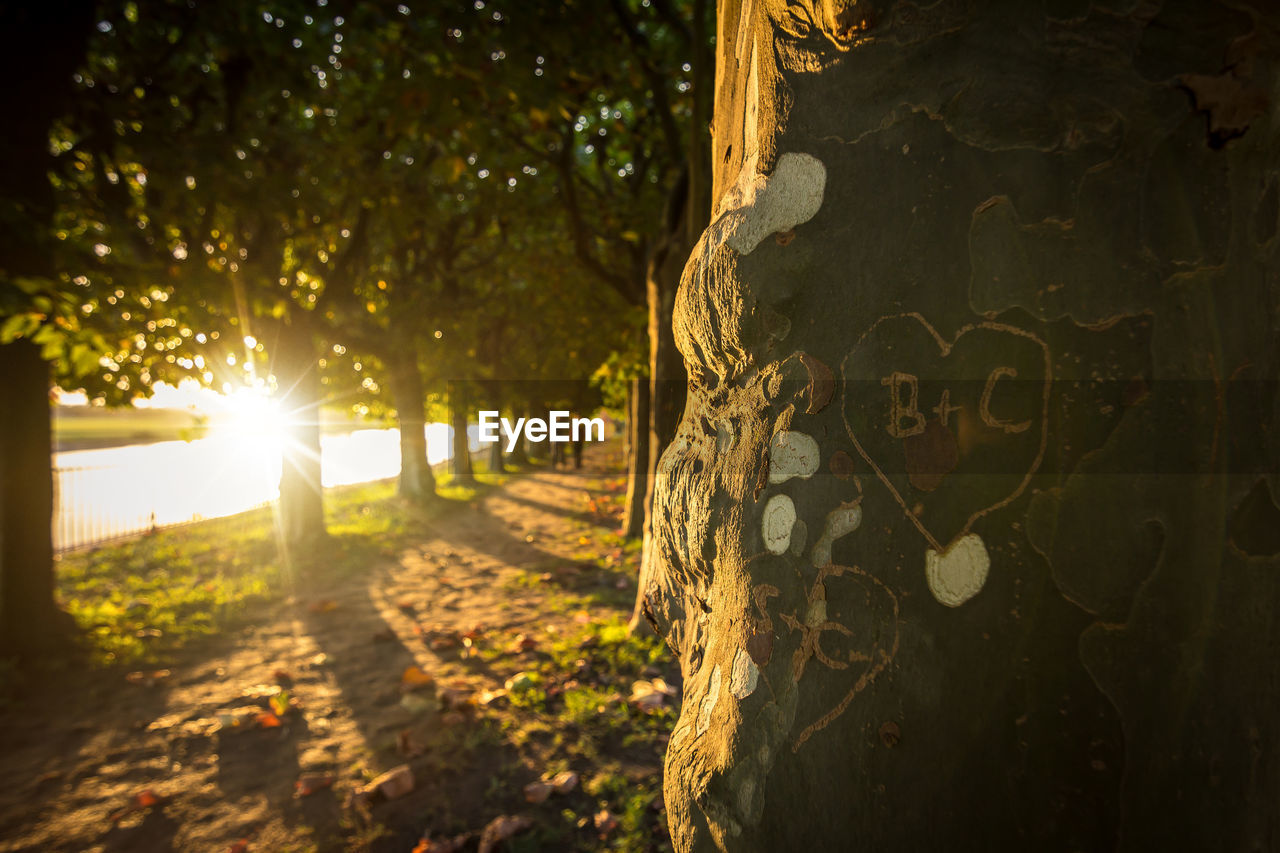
x=110, y=492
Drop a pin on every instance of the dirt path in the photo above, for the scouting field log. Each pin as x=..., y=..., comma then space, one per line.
x=526, y=559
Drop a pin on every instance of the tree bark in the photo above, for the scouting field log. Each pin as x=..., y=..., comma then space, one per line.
x=48, y=42
x=637, y=458
x=460, y=464
x=301, y=493
x=417, y=481
x=962, y=540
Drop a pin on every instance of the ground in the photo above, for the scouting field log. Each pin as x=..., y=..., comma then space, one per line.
x=230, y=699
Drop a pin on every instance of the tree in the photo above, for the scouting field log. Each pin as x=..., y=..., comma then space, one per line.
x=49, y=41
x=967, y=534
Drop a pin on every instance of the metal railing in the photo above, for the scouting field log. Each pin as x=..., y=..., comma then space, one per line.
x=83, y=518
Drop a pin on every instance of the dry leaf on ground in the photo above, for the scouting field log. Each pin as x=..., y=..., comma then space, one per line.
x=605, y=821
x=565, y=781
x=140, y=801
x=148, y=679
x=537, y=792
x=413, y=678
x=393, y=784
x=500, y=829
x=310, y=783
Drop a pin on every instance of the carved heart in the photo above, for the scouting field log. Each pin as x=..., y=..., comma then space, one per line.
x=954, y=429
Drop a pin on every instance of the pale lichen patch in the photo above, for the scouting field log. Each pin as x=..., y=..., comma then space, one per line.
x=792, y=454
x=709, y=701
x=743, y=676
x=959, y=572
x=761, y=205
x=840, y=522
x=779, y=518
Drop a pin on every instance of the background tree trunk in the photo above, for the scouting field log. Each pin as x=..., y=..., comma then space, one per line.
x=637, y=458
x=962, y=539
x=460, y=464
x=301, y=492
x=417, y=481
x=495, y=458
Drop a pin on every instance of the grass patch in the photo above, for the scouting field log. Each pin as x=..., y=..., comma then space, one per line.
x=141, y=599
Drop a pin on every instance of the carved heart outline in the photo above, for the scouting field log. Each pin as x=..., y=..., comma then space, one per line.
x=945, y=347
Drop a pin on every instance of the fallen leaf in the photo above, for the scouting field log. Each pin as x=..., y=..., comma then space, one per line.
x=522, y=681
x=267, y=720
x=500, y=829
x=605, y=821
x=280, y=702
x=393, y=784
x=523, y=643
x=564, y=782
x=148, y=678
x=140, y=801
x=443, y=845
x=325, y=605
x=414, y=677
x=537, y=792
x=310, y=783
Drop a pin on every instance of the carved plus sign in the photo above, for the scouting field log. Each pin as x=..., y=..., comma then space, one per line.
x=811, y=630
x=944, y=407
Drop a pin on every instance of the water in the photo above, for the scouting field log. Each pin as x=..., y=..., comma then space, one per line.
x=111, y=492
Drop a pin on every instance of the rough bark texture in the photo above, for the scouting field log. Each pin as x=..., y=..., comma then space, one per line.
x=301, y=493
x=417, y=481
x=967, y=538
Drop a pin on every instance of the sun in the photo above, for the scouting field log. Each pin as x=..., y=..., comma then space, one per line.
x=253, y=415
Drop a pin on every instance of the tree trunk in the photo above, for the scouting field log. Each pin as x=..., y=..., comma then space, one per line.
x=301, y=494
x=417, y=481
x=49, y=41
x=637, y=458
x=460, y=464
x=495, y=458
x=30, y=622
x=967, y=536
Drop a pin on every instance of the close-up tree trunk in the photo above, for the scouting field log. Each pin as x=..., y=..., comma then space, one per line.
x=963, y=538
x=55, y=35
